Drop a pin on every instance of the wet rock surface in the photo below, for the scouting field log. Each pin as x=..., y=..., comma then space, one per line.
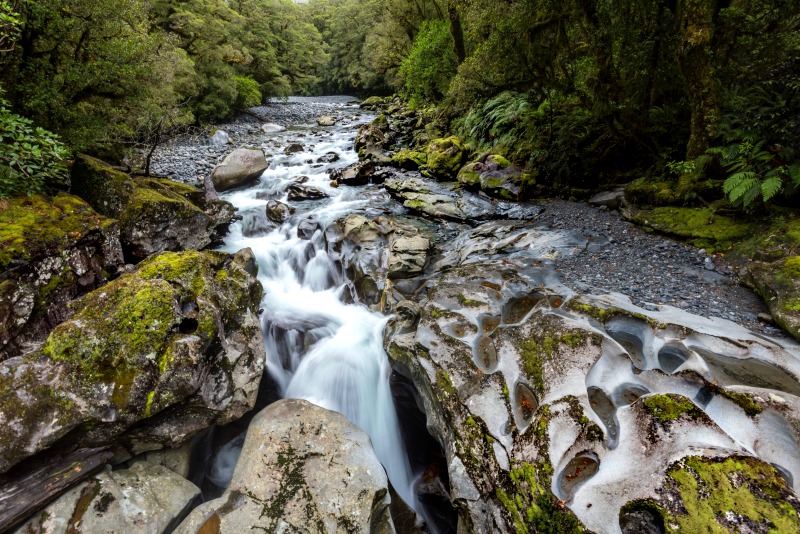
x=302, y=468
x=147, y=361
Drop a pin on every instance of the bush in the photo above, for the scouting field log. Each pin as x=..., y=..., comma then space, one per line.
x=431, y=64
x=29, y=156
x=249, y=93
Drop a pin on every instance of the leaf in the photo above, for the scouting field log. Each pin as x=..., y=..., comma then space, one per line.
x=771, y=187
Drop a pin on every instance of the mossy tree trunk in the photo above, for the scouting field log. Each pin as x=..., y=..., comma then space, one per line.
x=696, y=31
x=457, y=32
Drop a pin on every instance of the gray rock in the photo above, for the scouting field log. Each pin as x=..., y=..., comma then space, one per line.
x=307, y=228
x=302, y=469
x=293, y=148
x=326, y=120
x=278, y=212
x=408, y=256
x=297, y=192
x=272, y=128
x=143, y=498
x=219, y=139
x=241, y=166
x=609, y=199
x=176, y=460
x=356, y=174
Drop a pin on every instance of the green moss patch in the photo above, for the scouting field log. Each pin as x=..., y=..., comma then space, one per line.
x=38, y=225
x=536, y=352
x=699, y=226
x=724, y=495
x=667, y=408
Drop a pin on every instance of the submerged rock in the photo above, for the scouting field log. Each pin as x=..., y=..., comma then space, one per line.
x=147, y=361
x=145, y=497
x=52, y=250
x=240, y=167
x=154, y=214
x=302, y=468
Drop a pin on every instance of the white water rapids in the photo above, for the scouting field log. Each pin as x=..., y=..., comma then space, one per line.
x=318, y=347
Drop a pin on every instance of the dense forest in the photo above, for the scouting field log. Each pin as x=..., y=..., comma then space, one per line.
x=583, y=93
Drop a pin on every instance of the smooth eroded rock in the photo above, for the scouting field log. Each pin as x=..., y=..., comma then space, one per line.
x=241, y=166
x=302, y=469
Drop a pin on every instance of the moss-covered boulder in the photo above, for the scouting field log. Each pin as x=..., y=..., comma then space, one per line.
x=444, y=158
x=497, y=177
x=373, y=102
x=373, y=139
x=409, y=159
x=154, y=214
x=778, y=283
x=170, y=349
x=52, y=249
x=656, y=192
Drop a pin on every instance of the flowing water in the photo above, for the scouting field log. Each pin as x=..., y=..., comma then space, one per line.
x=319, y=345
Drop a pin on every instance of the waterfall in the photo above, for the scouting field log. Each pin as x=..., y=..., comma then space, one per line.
x=318, y=346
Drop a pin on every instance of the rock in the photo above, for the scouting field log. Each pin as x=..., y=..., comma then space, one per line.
x=356, y=174
x=278, y=212
x=143, y=498
x=240, y=167
x=444, y=158
x=546, y=400
x=219, y=139
x=766, y=318
x=373, y=139
x=778, y=283
x=497, y=177
x=146, y=362
x=176, y=460
x=52, y=250
x=293, y=148
x=373, y=102
x=409, y=159
x=326, y=120
x=286, y=481
x=408, y=256
x=307, y=228
x=609, y=199
x=328, y=157
x=154, y=214
x=708, y=264
x=272, y=128
x=297, y=192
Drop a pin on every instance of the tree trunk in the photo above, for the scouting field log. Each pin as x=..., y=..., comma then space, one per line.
x=696, y=30
x=457, y=32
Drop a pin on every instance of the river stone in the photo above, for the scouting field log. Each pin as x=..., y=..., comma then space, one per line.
x=219, y=139
x=272, y=128
x=240, y=167
x=360, y=173
x=302, y=469
x=278, y=212
x=147, y=361
x=373, y=139
x=52, y=250
x=326, y=120
x=293, y=148
x=154, y=214
x=609, y=199
x=143, y=498
x=408, y=256
x=297, y=191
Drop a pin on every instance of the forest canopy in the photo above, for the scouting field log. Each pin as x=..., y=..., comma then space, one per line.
x=580, y=92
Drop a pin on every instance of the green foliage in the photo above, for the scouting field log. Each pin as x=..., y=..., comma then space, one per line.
x=249, y=94
x=757, y=171
x=29, y=156
x=427, y=70
x=10, y=23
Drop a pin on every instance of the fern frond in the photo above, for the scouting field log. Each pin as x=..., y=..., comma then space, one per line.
x=771, y=187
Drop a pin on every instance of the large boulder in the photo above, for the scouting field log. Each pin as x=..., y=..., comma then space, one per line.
x=778, y=282
x=586, y=412
x=147, y=361
x=373, y=139
x=240, y=167
x=497, y=177
x=326, y=120
x=444, y=158
x=302, y=469
x=143, y=498
x=360, y=173
x=52, y=250
x=154, y=214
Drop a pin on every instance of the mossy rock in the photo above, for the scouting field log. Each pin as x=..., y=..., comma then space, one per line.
x=778, y=283
x=470, y=175
x=373, y=102
x=154, y=214
x=656, y=192
x=409, y=159
x=730, y=494
x=52, y=249
x=37, y=226
x=444, y=158
x=699, y=226
x=145, y=342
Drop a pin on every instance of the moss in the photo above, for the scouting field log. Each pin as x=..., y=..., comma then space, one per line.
x=468, y=302
x=699, y=226
x=536, y=352
x=647, y=192
x=667, y=408
x=712, y=491
x=444, y=383
x=38, y=225
x=409, y=159
x=444, y=158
